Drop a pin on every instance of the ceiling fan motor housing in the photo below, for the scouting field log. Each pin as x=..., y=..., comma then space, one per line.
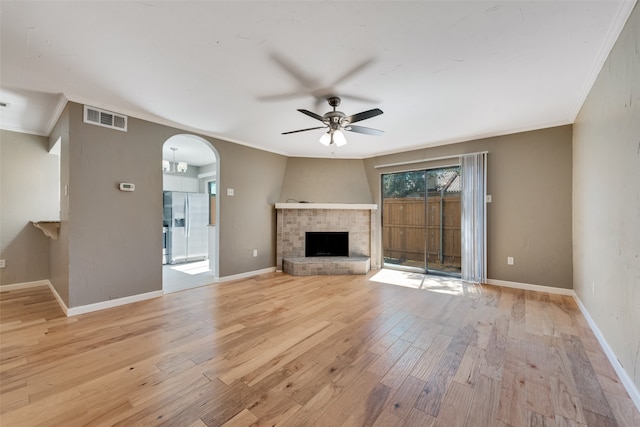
x=333, y=101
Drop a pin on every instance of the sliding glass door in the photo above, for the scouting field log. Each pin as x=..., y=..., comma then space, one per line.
x=421, y=220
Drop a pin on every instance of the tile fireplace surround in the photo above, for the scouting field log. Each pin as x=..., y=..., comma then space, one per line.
x=295, y=219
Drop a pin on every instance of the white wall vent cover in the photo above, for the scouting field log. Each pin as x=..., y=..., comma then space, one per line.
x=96, y=116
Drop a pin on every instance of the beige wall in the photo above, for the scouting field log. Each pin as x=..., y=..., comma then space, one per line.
x=529, y=179
x=606, y=200
x=26, y=169
x=325, y=181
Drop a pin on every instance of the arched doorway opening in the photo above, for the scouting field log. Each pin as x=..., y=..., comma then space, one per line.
x=190, y=213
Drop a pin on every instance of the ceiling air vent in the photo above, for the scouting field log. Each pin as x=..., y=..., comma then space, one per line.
x=96, y=116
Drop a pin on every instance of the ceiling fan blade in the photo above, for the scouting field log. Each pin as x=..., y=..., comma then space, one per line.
x=303, y=130
x=363, y=116
x=352, y=72
x=299, y=75
x=311, y=114
x=359, y=98
x=365, y=130
x=283, y=96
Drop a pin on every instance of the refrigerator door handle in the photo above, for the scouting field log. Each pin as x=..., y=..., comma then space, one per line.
x=187, y=222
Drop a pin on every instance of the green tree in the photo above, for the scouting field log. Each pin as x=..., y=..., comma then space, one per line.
x=404, y=184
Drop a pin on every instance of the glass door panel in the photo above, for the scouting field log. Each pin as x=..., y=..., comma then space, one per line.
x=443, y=221
x=421, y=220
x=403, y=220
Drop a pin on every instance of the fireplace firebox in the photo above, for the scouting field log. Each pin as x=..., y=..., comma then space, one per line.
x=329, y=243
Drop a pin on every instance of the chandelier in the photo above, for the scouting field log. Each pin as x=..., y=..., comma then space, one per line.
x=174, y=168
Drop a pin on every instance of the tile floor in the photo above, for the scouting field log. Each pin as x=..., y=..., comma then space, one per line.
x=191, y=275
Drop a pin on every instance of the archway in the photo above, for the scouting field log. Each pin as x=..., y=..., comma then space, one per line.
x=190, y=213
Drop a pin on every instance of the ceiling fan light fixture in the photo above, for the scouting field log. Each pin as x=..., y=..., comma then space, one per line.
x=325, y=139
x=338, y=138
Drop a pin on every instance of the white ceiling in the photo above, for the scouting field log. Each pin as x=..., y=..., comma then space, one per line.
x=442, y=72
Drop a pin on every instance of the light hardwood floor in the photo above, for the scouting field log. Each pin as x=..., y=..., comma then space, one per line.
x=304, y=351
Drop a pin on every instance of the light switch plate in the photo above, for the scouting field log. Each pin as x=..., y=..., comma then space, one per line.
x=230, y=192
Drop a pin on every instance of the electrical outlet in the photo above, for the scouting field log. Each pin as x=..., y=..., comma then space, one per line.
x=3, y=263
x=255, y=252
x=510, y=260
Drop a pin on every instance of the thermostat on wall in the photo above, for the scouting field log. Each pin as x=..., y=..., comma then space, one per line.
x=127, y=186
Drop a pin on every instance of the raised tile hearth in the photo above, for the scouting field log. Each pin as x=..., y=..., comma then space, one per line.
x=294, y=220
x=312, y=266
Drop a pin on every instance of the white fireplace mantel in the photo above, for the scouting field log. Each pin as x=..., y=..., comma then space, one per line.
x=354, y=206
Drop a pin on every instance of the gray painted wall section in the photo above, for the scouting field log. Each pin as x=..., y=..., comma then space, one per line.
x=529, y=179
x=115, y=237
x=325, y=181
x=59, y=249
x=26, y=169
x=606, y=200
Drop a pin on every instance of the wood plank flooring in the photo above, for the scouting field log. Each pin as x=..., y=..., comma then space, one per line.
x=309, y=351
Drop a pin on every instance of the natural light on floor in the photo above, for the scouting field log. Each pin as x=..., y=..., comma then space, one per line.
x=192, y=268
x=440, y=284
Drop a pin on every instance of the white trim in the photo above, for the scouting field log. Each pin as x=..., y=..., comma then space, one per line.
x=57, y=112
x=353, y=206
x=432, y=159
x=624, y=377
x=613, y=34
x=24, y=285
x=74, y=311
x=530, y=287
x=61, y=303
x=207, y=174
x=246, y=275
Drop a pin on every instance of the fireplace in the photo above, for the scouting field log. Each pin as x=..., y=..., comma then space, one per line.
x=356, y=223
x=326, y=243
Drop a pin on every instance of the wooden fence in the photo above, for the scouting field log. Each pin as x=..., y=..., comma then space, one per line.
x=405, y=231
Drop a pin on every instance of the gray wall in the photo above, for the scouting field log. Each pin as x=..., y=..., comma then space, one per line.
x=529, y=179
x=325, y=181
x=59, y=249
x=29, y=192
x=248, y=219
x=114, y=237
x=606, y=200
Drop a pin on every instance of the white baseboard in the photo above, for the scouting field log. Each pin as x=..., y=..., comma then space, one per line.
x=74, y=311
x=61, y=303
x=246, y=275
x=624, y=377
x=24, y=285
x=530, y=287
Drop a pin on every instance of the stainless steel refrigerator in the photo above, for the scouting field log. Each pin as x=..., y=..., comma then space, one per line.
x=186, y=216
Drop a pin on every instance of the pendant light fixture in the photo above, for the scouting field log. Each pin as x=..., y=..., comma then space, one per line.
x=174, y=168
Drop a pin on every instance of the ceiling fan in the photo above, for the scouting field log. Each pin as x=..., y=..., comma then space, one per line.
x=336, y=122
